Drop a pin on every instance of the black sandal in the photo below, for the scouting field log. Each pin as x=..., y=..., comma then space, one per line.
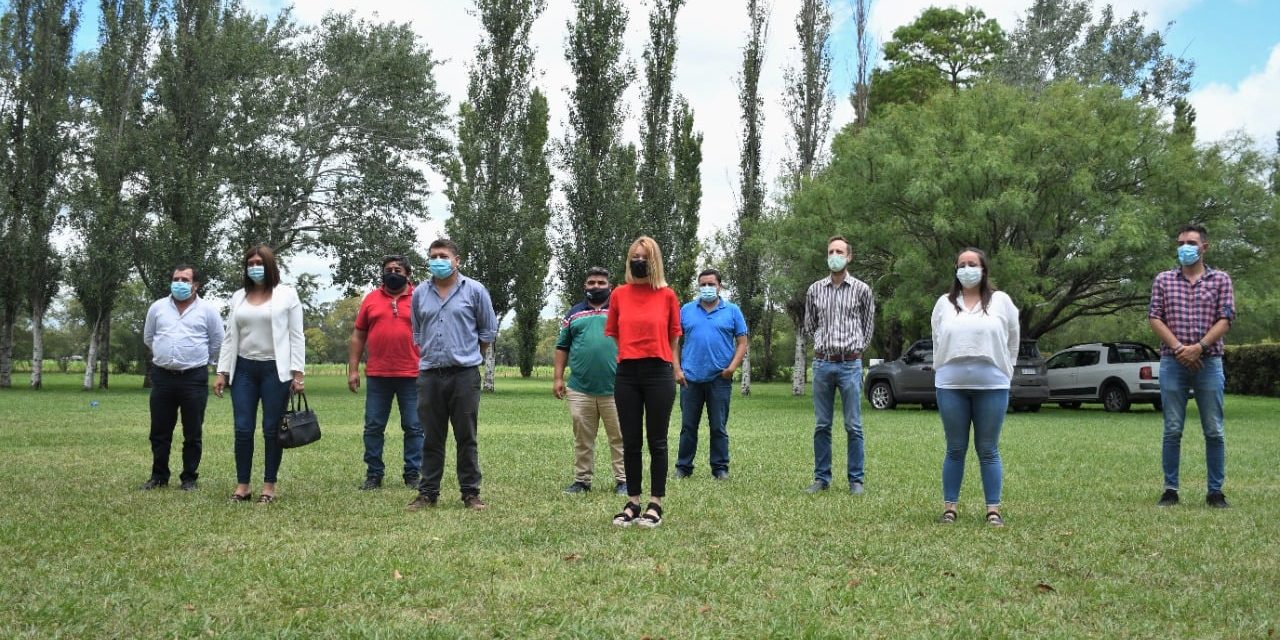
x=266, y=498
x=993, y=519
x=248, y=497
x=650, y=520
x=948, y=517
x=629, y=512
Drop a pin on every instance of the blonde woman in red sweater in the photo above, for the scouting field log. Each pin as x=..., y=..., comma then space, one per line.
x=644, y=319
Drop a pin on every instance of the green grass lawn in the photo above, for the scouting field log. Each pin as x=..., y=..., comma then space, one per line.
x=1085, y=554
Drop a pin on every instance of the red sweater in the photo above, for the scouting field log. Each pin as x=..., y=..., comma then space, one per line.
x=643, y=320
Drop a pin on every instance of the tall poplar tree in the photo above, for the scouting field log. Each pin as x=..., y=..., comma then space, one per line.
x=596, y=223
x=746, y=262
x=530, y=286
x=101, y=212
x=36, y=115
x=686, y=188
x=808, y=104
x=497, y=231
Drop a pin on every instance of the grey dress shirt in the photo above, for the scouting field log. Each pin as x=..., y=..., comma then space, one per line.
x=181, y=341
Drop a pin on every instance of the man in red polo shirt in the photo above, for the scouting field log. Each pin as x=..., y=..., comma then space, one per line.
x=384, y=325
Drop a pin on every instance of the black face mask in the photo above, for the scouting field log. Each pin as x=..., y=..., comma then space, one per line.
x=394, y=281
x=640, y=268
x=597, y=296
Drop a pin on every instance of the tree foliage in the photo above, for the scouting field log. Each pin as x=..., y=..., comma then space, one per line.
x=1073, y=192
x=943, y=48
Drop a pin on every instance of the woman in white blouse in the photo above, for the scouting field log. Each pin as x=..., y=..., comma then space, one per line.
x=263, y=351
x=975, y=346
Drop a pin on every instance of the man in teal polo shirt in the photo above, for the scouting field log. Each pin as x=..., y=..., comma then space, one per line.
x=592, y=359
x=715, y=341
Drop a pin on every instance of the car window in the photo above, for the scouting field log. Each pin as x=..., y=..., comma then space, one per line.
x=1063, y=360
x=1028, y=349
x=1087, y=358
x=1129, y=353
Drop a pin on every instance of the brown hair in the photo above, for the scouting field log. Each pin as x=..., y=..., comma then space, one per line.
x=272, y=276
x=984, y=286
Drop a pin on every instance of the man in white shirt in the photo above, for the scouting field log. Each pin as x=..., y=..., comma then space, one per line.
x=184, y=334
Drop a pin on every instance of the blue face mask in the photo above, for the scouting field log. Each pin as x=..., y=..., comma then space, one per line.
x=707, y=293
x=969, y=276
x=440, y=268
x=180, y=290
x=256, y=273
x=1188, y=254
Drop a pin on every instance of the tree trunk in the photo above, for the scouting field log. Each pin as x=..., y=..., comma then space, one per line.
x=746, y=372
x=799, y=365
x=37, y=347
x=6, y=349
x=490, y=362
x=105, y=349
x=767, y=348
x=91, y=358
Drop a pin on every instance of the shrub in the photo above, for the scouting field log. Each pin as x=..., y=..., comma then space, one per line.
x=1253, y=369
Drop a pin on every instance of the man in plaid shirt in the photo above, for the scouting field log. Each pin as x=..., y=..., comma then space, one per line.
x=1192, y=308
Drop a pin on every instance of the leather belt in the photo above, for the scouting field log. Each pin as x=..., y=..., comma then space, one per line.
x=177, y=372
x=837, y=357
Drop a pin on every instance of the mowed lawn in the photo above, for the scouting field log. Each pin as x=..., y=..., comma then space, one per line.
x=1086, y=552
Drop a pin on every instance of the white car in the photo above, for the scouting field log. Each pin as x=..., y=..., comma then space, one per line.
x=1116, y=374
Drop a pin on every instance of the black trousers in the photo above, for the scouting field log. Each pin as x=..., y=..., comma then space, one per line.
x=644, y=391
x=171, y=392
x=449, y=395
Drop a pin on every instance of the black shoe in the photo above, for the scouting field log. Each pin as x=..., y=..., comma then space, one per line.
x=620, y=489
x=682, y=474
x=722, y=474
x=473, y=502
x=421, y=502
x=412, y=480
x=188, y=485
x=577, y=488
x=816, y=487
x=1216, y=500
x=370, y=483
x=1169, y=498
x=154, y=483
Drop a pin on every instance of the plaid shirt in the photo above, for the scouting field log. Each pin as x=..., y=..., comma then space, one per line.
x=1189, y=310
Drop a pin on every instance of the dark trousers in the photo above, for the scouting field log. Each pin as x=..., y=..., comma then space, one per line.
x=171, y=392
x=256, y=381
x=644, y=391
x=449, y=395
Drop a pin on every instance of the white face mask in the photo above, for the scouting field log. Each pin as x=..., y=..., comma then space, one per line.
x=969, y=276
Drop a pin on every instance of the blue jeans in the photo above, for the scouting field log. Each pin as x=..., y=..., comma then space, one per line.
x=715, y=394
x=379, y=392
x=254, y=381
x=984, y=409
x=827, y=378
x=1175, y=383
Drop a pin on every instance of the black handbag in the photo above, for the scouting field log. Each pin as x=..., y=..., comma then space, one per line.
x=299, y=426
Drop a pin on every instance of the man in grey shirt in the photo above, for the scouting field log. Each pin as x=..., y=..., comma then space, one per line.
x=453, y=322
x=184, y=334
x=839, y=312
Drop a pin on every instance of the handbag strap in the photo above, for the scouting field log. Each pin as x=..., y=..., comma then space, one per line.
x=299, y=401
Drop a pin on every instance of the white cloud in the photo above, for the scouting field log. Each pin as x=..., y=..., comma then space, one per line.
x=1249, y=105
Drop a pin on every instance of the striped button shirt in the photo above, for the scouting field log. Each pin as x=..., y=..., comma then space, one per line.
x=840, y=318
x=1188, y=309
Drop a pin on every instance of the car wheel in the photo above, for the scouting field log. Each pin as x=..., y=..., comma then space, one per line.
x=1033, y=408
x=1159, y=406
x=1115, y=399
x=882, y=395
x=1069, y=405
x=929, y=406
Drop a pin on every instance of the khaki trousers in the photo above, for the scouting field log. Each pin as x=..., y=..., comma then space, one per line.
x=587, y=411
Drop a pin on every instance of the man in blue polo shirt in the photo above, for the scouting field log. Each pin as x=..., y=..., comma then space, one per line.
x=715, y=341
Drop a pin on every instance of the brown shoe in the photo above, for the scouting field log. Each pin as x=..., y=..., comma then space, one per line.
x=421, y=502
x=474, y=503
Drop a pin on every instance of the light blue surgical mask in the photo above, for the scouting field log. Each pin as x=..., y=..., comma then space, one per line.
x=440, y=268
x=969, y=276
x=180, y=290
x=1188, y=254
x=707, y=293
x=256, y=273
x=837, y=262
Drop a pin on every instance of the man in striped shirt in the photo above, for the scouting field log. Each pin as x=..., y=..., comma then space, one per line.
x=1192, y=308
x=839, y=312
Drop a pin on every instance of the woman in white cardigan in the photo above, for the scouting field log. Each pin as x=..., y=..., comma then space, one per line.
x=263, y=352
x=975, y=346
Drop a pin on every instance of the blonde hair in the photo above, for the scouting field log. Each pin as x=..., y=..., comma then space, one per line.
x=657, y=278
